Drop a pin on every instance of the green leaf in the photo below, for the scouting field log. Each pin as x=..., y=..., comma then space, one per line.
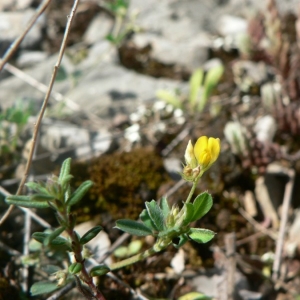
x=89, y=235
x=133, y=227
x=212, y=78
x=155, y=214
x=37, y=187
x=99, y=270
x=164, y=206
x=195, y=82
x=80, y=192
x=75, y=268
x=200, y=235
x=58, y=241
x=169, y=97
x=43, y=287
x=41, y=197
x=65, y=181
x=189, y=213
x=25, y=201
x=65, y=169
x=147, y=220
x=202, y=204
x=48, y=240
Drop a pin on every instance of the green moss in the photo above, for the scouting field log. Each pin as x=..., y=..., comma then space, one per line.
x=122, y=182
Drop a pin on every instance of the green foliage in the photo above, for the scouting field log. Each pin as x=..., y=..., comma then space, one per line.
x=12, y=122
x=43, y=287
x=201, y=87
x=88, y=236
x=168, y=225
x=99, y=270
x=123, y=24
x=165, y=224
x=133, y=227
x=75, y=268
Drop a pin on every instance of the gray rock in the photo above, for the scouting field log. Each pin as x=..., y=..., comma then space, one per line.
x=98, y=29
x=30, y=58
x=12, y=24
x=176, y=37
x=232, y=25
x=6, y=4
x=56, y=135
x=110, y=89
x=23, y=4
x=170, y=52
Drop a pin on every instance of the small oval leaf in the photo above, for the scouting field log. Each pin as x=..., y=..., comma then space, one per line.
x=155, y=214
x=43, y=287
x=200, y=235
x=48, y=240
x=133, y=227
x=202, y=204
x=75, y=268
x=37, y=187
x=164, y=206
x=65, y=169
x=89, y=235
x=99, y=270
x=80, y=192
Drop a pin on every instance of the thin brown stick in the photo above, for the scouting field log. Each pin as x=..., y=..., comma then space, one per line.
x=14, y=46
x=55, y=95
x=282, y=229
x=258, y=226
x=43, y=108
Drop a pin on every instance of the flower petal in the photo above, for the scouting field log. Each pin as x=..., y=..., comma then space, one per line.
x=214, y=149
x=200, y=146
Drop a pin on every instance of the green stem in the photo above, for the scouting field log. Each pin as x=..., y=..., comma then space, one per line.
x=188, y=199
x=133, y=259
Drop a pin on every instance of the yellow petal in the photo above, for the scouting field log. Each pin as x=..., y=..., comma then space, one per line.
x=206, y=151
x=200, y=146
x=214, y=148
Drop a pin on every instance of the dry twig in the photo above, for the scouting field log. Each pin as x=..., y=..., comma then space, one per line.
x=284, y=218
x=14, y=46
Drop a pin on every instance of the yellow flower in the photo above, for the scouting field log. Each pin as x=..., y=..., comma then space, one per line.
x=200, y=157
x=206, y=151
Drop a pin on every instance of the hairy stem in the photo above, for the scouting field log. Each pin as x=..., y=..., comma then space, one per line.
x=189, y=197
x=134, y=259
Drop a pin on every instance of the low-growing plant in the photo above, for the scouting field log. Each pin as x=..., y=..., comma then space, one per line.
x=12, y=121
x=201, y=86
x=168, y=225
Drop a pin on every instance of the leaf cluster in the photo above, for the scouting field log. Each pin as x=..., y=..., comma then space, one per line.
x=167, y=224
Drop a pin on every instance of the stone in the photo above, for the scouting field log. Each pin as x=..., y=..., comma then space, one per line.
x=12, y=24
x=170, y=52
x=99, y=28
x=30, y=58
